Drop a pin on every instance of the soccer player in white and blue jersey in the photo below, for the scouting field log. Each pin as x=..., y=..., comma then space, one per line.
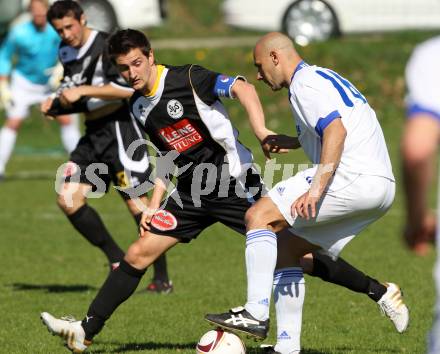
x=419, y=153
x=27, y=57
x=325, y=207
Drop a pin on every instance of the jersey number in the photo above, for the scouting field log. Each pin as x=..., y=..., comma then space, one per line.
x=336, y=81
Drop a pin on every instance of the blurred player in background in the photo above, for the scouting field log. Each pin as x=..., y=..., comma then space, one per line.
x=325, y=207
x=93, y=86
x=27, y=57
x=419, y=154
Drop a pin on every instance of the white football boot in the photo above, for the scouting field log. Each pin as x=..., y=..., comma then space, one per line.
x=391, y=304
x=69, y=329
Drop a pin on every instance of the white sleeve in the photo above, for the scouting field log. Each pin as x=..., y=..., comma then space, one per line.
x=317, y=104
x=423, y=79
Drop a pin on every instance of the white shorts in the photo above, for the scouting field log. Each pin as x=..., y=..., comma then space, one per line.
x=341, y=214
x=25, y=94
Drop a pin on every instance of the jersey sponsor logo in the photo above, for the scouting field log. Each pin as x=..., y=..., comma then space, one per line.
x=70, y=169
x=174, y=109
x=164, y=221
x=181, y=135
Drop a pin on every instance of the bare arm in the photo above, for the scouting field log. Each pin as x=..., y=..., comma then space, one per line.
x=248, y=97
x=332, y=146
x=418, y=148
x=158, y=192
x=105, y=92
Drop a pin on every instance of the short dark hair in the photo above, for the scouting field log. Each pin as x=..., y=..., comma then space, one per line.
x=125, y=40
x=63, y=8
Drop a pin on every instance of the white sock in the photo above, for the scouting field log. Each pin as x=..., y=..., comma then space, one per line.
x=70, y=135
x=288, y=293
x=7, y=142
x=261, y=258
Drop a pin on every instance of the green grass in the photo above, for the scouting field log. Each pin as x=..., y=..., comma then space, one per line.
x=47, y=266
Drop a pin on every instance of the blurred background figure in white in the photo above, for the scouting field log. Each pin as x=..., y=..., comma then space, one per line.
x=419, y=153
x=27, y=58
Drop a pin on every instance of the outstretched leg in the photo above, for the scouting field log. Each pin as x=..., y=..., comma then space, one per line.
x=117, y=288
x=72, y=201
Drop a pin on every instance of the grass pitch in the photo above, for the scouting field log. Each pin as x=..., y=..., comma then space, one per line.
x=47, y=266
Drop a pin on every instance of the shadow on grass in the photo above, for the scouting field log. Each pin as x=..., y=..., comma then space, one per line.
x=351, y=349
x=133, y=347
x=52, y=288
x=176, y=347
x=173, y=347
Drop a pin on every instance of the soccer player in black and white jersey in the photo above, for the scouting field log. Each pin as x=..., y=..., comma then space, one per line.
x=181, y=110
x=89, y=78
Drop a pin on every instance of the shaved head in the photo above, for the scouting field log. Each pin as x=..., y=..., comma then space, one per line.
x=276, y=59
x=275, y=41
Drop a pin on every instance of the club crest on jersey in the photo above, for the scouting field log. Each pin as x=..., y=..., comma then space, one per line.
x=140, y=108
x=174, y=109
x=164, y=221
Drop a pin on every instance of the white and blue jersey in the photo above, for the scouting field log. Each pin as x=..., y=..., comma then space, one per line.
x=317, y=97
x=422, y=78
x=36, y=52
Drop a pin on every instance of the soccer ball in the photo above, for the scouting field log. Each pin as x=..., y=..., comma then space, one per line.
x=220, y=342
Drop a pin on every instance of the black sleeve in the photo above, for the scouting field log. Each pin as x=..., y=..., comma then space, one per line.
x=203, y=82
x=56, y=109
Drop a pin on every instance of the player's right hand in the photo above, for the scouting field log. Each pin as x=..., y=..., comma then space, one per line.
x=144, y=225
x=45, y=107
x=5, y=94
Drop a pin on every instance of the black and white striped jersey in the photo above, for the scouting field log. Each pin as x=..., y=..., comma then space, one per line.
x=184, y=113
x=87, y=65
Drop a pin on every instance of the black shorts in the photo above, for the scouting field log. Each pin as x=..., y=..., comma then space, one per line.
x=185, y=217
x=101, y=155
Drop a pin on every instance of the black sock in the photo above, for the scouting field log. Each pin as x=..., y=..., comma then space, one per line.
x=118, y=287
x=160, y=269
x=88, y=223
x=344, y=274
x=160, y=264
x=375, y=289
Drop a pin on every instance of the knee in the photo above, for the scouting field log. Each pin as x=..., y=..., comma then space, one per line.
x=138, y=256
x=254, y=217
x=13, y=124
x=415, y=154
x=69, y=203
x=133, y=254
x=64, y=120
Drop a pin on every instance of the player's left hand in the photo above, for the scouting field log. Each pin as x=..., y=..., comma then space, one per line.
x=144, y=225
x=305, y=205
x=71, y=95
x=266, y=147
x=280, y=143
